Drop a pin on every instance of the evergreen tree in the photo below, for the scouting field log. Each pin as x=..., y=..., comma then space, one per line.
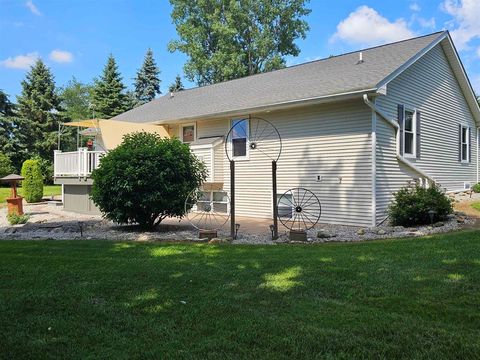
x=147, y=82
x=108, y=96
x=6, y=107
x=39, y=111
x=177, y=85
x=12, y=140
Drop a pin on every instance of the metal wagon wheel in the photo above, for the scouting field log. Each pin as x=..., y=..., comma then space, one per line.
x=299, y=209
x=260, y=135
x=207, y=210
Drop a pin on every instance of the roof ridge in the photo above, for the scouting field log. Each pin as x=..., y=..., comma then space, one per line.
x=310, y=62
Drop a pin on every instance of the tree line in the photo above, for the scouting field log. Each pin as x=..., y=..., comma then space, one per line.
x=29, y=127
x=222, y=39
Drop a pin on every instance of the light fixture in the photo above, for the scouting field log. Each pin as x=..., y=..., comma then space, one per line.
x=237, y=226
x=271, y=230
x=431, y=213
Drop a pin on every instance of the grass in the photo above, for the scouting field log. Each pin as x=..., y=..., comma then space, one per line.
x=48, y=190
x=476, y=205
x=414, y=298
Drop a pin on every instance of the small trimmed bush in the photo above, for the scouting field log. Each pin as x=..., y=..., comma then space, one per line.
x=15, y=219
x=476, y=188
x=146, y=179
x=6, y=167
x=411, y=205
x=46, y=167
x=32, y=186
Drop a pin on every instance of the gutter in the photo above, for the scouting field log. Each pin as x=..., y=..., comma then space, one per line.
x=395, y=125
x=265, y=108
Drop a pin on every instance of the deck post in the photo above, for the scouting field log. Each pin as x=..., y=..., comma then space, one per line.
x=275, y=204
x=232, y=199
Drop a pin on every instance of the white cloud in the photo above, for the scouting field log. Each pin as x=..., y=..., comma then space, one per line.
x=466, y=21
x=20, y=61
x=61, y=56
x=33, y=8
x=476, y=84
x=367, y=27
x=427, y=23
x=415, y=7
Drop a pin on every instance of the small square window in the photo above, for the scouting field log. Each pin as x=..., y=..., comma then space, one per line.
x=285, y=206
x=188, y=133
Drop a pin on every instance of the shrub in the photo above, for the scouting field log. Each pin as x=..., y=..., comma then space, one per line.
x=6, y=167
x=476, y=188
x=411, y=205
x=15, y=219
x=146, y=179
x=46, y=167
x=32, y=186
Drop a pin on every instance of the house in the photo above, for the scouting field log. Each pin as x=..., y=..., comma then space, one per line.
x=355, y=127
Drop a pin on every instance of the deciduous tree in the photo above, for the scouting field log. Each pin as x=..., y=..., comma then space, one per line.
x=227, y=39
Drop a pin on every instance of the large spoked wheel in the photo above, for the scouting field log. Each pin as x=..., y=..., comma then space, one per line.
x=253, y=135
x=299, y=209
x=207, y=210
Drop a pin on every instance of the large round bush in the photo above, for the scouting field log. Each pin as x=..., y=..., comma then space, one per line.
x=146, y=179
x=32, y=186
x=411, y=205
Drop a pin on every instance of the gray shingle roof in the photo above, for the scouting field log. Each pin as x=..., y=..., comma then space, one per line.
x=331, y=76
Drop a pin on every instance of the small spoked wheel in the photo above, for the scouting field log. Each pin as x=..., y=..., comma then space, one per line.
x=207, y=210
x=299, y=209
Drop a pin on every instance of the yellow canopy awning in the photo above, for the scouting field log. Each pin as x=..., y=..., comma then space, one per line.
x=84, y=123
x=112, y=131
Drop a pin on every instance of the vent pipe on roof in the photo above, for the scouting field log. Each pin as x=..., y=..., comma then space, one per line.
x=360, y=58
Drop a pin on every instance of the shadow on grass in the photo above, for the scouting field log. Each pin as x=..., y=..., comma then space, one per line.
x=408, y=298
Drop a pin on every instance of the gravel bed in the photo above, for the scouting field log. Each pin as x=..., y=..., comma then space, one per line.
x=53, y=223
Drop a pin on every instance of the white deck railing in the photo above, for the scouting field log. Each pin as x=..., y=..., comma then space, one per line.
x=78, y=163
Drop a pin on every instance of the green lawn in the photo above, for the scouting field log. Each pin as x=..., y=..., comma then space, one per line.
x=414, y=298
x=48, y=190
x=476, y=205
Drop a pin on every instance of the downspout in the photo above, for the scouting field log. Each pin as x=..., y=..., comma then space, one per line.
x=395, y=125
x=476, y=159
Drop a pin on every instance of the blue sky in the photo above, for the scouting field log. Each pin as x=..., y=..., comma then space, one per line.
x=75, y=37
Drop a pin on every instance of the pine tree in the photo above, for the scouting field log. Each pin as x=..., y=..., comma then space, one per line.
x=177, y=85
x=109, y=98
x=39, y=111
x=147, y=82
x=12, y=140
x=6, y=107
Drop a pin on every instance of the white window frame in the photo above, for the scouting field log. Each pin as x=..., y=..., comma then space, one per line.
x=467, y=143
x=247, y=143
x=413, y=132
x=194, y=132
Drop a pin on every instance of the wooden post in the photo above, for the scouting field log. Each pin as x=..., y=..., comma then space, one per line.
x=232, y=199
x=275, y=204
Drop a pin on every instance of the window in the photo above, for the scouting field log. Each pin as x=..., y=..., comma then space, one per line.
x=285, y=206
x=212, y=201
x=188, y=133
x=409, y=129
x=464, y=143
x=239, y=137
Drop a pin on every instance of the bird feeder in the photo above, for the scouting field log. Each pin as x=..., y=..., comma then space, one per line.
x=14, y=202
